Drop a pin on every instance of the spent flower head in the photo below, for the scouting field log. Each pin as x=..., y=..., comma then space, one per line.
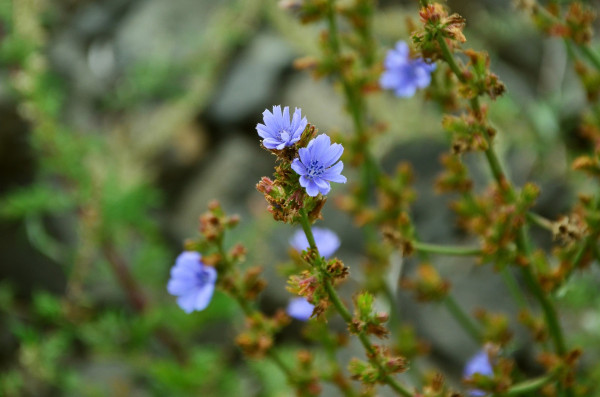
x=403, y=74
x=327, y=241
x=300, y=309
x=278, y=131
x=192, y=282
x=478, y=364
x=318, y=165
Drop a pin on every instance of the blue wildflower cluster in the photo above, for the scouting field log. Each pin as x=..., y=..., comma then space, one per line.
x=403, y=74
x=316, y=161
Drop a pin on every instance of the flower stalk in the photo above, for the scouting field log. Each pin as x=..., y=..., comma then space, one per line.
x=445, y=249
x=523, y=244
x=345, y=313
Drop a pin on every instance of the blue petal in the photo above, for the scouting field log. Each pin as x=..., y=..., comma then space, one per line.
x=310, y=186
x=181, y=286
x=405, y=91
x=204, y=296
x=319, y=147
x=324, y=186
x=305, y=155
x=271, y=143
x=402, y=49
x=188, y=302
x=327, y=241
x=299, y=167
x=299, y=241
x=300, y=309
x=285, y=118
x=188, y=257
x=263, y=131
x=479, y=363
x=333, y=173
x=211, y=272
x=333, y=154
x=270, y=119
x=389, y=80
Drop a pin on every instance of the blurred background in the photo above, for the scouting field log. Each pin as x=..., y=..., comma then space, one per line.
x=121, y=119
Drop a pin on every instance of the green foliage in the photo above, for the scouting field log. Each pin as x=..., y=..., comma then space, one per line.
x=35, y=200
x=206, y=374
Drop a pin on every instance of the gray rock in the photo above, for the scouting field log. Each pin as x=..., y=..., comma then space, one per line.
x=253, y=80
x=232, y=171
x=170, y=30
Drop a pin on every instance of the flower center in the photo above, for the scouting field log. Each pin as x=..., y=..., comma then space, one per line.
x=202, y=278
x=314, y=169
x=284, y=136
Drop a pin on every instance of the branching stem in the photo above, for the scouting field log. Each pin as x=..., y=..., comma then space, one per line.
x=345, y=313
x=522, y=239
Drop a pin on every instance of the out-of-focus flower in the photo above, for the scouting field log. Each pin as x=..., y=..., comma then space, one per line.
x=479, y=363
x=317, y=165
x=403, y=74
x=300, y=309
x=293, y=5
x=278, y=131
x=327, y=241
x=192, y=282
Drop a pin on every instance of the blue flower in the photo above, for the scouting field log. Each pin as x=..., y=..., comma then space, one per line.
x=404, y=74
x=479, y=363
x=327, y=241
x=300, y=309
x=317, y=165
x=277, y=131
x=192, y=282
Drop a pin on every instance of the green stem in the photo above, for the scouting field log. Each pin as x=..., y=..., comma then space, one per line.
x=345, y=313
x=446, y=249
x=450, y=59
x=513, y=288
x=590, y=55
x=370, y=170
x=539, y=220
x=547, y=306
x=274, y=356
x=463, y=319
x=522, y=240
x=527, y=386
